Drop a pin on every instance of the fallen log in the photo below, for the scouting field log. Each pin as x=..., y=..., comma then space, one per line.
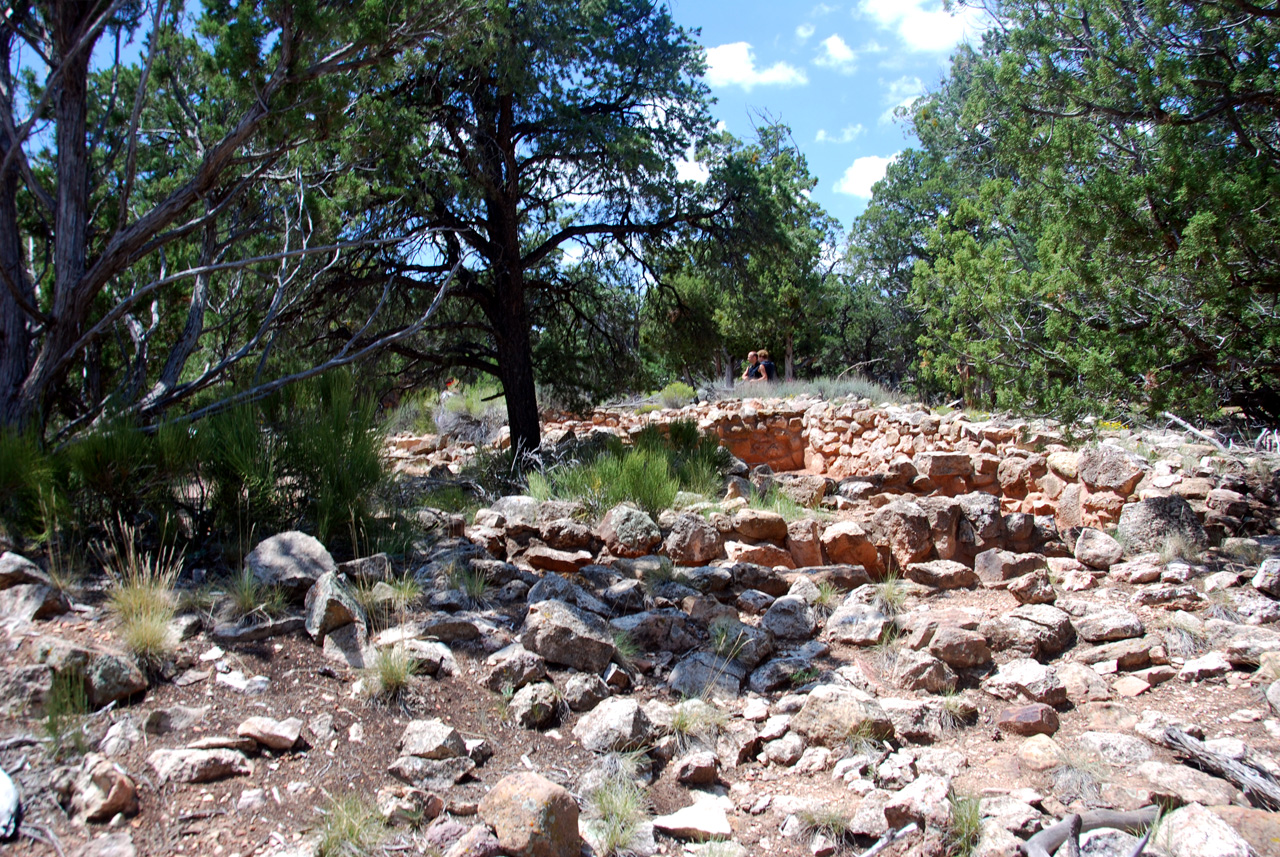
x=1262, y=790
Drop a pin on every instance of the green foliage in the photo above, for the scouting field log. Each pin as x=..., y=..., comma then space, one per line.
x=414, y=415
x=640, y=476
x=472, y=412
x=247, y=596
x=469, y=580
x=615, y=809
x=828, y=388
x=776, y=500
x=391, y=673
x=677, y=394
x=831, y=821
x=625, y=648
x=64, y=709
x=964, y=831
x=141, y=594
x=351, y=828
x=26, y=483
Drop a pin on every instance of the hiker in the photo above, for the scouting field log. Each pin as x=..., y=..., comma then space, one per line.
x=768, y=372
x=752, y=372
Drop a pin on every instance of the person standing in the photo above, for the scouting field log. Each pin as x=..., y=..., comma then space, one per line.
x=752, y=372
x=768, y=372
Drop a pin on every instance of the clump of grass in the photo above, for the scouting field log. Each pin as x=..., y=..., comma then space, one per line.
x=1176, y=546
x=414, y=415
x=840, y=387
x=655, y=578
x=470, y=581
x=955, y=713
x=862, y=741
x=142, y=595
x=830, y=821
x=1222, y=606
x=776, y=500
x=804, y=676
x=64, y=710
x=964, y=831
x=625, y=648
x=829, y=597
x=887, y=649
x=697, y=721
x=1078, y=776
x=728, y=637
x=391, y=674
x=615, y=810
x=503, y=702
x=452, y=498
x=351, y=828
x=248, y=597
x=891, y=594
x=1184, y=637
x=1246, y=551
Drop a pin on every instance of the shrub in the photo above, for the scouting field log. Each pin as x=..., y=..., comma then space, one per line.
x=843, y=387
x=414, y=415
x=64, y=709
x=625, y=648
x=472, y=413
x=677, y=394
x=392, y=672
x=26, y=484
x=472, y=582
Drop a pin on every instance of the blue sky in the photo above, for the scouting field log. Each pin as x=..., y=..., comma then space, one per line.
x=833, y=72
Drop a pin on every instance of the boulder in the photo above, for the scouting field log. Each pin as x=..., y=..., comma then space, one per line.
x=617, y=724
x=905, y=527
x=512, y=666
x=1103, y=467
x=856, y=622
x=291, y=560
x=1033, y=588
x=1027, y=678
x=563, y=634
x=942, y=574
x=759, y=554
x=1036, y=630
x=271, y=733
x=431, y=739
x=1147, y=525
x=1032, y=719
x=536, y=706
x=628, y=532
x=705, y=819
x=532, y=817
x=790, y=618
x=1105, y=624
x=1096, y=549
x=584, y=691
x=330, y=605
x=29, y=602
x=982, y=523
x=693, y=540
x=17, y=570
x=760, y=525
x=706, y=674
x=1193, y=831
x=546, y=558
x=996, y=565
x=831, y=714
x=922, y=671
x=804, y=541
x=109, y=676
x=938, y=465
x=847, y=543
x=924, y=802
x=959, y=648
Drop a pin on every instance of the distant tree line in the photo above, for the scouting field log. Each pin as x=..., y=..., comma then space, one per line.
x=253, y=194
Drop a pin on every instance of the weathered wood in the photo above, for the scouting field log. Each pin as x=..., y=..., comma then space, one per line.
x=889, y=838
x=1046, y=842
x=1262, y=790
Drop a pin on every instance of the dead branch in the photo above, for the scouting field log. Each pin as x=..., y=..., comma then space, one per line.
x=1046, y=842
x=1262, y=790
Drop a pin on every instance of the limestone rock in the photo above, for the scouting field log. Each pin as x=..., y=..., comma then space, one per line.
x=1027, y=678
x=848, y=543
x=17, y=570
x=1193, y=831
x=330, y=605
x=1105, y=624
x=102, y=790
x=583, y=691
x=942, y=574
x=198, y=766
x=924, y=802
x=269, y=732
x=905, y=526
x=536, y=705
x=617, y=724
x=1096, y=549
x=291, y=560
x=705, y=819
x=431, y=774
x=431, y=739
x=29, y=602
x=1109, y=468
x=833, y=713
x=1033, y=588
x=706, y=674
x=532, y=817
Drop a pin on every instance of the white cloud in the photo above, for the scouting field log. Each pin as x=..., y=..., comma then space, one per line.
x=734, y=64
x=902, y=92
x=822, y=9
x=804, y=32
x=837, y=54
x=847, y=134
x=863, y=173
x=691, y=171
x=924, y=25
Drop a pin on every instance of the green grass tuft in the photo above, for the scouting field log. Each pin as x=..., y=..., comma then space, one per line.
x=249, y=597
x=965, y=829
x=351, y=828
x=64, y=710
x=141, y=594
x=615, y=810
x=391, y=673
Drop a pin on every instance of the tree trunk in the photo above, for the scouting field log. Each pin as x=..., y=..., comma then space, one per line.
x=729, y=374
x=510, y=320
x=790, y=361
x=70, y=21
x=15, y=287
